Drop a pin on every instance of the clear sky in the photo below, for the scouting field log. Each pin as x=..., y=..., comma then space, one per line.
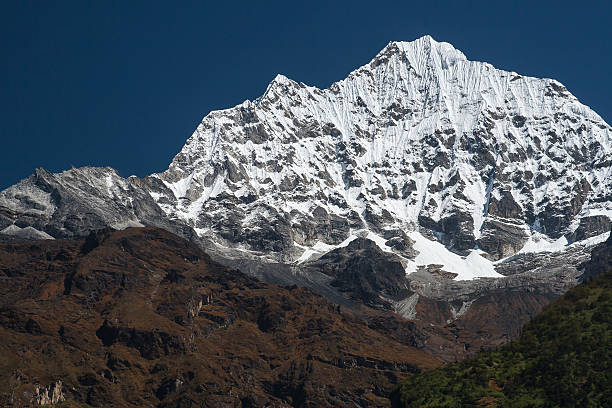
x=124, y=83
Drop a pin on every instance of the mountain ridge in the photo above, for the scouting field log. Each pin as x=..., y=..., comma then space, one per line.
x=205, y=181
x=486, y=187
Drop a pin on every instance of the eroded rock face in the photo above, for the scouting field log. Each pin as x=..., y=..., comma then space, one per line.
x=50, y=395
x=364, y=273
x=73, y=203
x=600, y=262
x=589, y=227
x=501, y=238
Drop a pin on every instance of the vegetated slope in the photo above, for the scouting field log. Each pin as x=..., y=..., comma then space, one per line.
x=562, y=359
x=141, y=317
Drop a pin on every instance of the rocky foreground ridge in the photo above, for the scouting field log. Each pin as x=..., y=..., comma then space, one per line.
x=141, y=317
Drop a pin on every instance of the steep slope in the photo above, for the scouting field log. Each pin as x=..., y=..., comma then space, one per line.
x=562, y=359
x=141, y=317
x=76, y=201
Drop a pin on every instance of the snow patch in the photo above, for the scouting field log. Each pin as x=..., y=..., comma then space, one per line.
x=434, y=253
x=538, y=242
x=541, y=243
x=321, y=248
x=379, y=241
x=598, y=239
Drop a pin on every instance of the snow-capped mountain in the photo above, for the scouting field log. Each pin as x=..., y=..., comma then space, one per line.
x=438, y=159
x=393, y=188
x=418, y=139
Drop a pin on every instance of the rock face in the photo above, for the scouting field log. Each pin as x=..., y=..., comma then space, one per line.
x=600, y=262
x=72, y=203
x=365, y=273
x=49, y=395
x=141, y=317
x=589, y=227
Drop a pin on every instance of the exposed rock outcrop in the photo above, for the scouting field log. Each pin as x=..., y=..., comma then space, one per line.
x=49, y=395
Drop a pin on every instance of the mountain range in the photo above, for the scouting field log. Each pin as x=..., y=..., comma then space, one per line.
x=460, y=196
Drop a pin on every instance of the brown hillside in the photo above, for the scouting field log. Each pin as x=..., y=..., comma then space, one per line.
x=141, y=317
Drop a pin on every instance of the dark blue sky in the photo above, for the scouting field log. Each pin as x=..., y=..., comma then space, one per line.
x=125, y=83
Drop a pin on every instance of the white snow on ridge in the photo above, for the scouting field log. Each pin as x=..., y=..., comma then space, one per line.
x=593, y=240
x=321, y=248
x=379, y=241
x=541, y=243
x=472, y=266
x=180, y=187
x=432, y=252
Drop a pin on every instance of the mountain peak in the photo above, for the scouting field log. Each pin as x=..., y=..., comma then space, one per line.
x=419, y=53
x=279, y=80
x=420, y=137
